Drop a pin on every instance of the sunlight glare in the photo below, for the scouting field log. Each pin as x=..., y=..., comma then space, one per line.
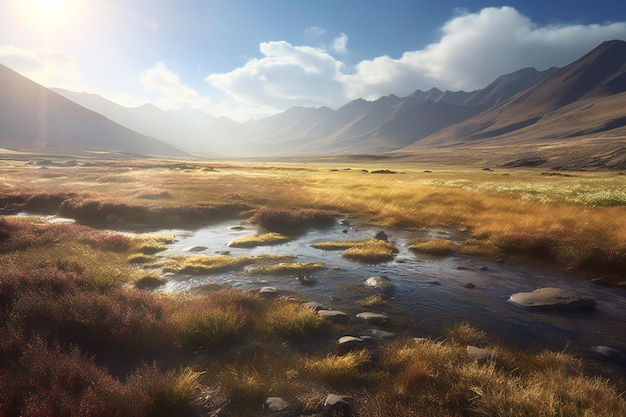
x=49, y=16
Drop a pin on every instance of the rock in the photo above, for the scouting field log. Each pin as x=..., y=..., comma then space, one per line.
x=350, y=342
x=275, y=404
x=469, y=285
x=483, y=268
x=222, y=252
x=196, y=248
x=380, y=334
x=610, y=354
x=480, y=354
x=600, y=281
x=335, y=316
x=344, y=222
x=237, y=227
x=306, y=279
x=381, y=283
x=434, y=282
x=622, y=284
x=381, y=236
x=268, y=292
x=337, y=406
x=552, y=298
x=371, y=317
x=463, y=268
x=314, y=306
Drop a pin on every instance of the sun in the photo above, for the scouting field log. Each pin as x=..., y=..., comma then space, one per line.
x=48, y=16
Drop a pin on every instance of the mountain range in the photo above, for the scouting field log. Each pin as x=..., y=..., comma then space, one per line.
x=528, y=117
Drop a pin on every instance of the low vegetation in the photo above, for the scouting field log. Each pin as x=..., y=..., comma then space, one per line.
x=287, y=220
x=264, y=239
x=369, y=251
x=288, y=268
x=73, y=304
x=198, y=265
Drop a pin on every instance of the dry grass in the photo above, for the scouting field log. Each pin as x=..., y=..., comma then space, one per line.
x=264, y=239
x=576, y=221
x=284, y=268
x=435, y=247
x=370, y=251
x=197, y=265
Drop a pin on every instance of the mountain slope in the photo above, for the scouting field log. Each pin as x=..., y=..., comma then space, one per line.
x=149, y=120
x=565, y=104
x=31, y=116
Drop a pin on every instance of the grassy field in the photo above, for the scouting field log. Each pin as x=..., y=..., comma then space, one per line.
x=73, y=298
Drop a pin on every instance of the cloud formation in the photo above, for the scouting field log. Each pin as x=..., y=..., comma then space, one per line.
x=286, y=76
x=171, y=91
x=474, y=49
x=340, y=44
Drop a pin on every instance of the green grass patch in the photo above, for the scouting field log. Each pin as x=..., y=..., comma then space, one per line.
x=264, y=239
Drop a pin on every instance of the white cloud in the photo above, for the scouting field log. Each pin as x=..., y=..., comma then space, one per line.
x=474, y=49
x=340, y=43
x=314, y=32
x=171, y=91
x=286, y=76
x=477, y=48
x=48, y=68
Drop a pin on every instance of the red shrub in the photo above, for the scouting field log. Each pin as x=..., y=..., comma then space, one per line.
x=49, y=382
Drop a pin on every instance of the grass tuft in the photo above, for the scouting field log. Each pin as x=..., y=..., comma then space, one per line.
x=292, y=220
x=369, y=251
x=258, y=240
x=288, y=268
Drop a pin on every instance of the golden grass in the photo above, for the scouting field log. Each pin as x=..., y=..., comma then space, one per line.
x=288, y=268
x=149, y=245
x=369, y=251
x=340, y=370
x=435, y=247
x=519, y=212
x=214, y=264
x=264, y=239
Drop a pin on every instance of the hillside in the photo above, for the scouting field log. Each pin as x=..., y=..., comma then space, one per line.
x=33, y=117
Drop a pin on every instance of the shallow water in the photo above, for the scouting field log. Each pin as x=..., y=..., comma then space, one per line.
x=430, y=293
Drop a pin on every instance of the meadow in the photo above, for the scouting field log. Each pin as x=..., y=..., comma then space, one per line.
x=86, y=336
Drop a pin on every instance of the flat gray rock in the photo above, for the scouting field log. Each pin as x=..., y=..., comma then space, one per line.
x=196, y=249
x=274, y=404
x=552, y=298
x=313, y=305
x=381, y=283
x=268, y=291
x=380, y=334
x=373, y=317
x=349, y=341
x=335, y=316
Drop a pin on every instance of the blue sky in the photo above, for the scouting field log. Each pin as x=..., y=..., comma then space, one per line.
x=248, y=59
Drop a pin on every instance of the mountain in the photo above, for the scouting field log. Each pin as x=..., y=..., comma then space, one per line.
x=552, y=117
x=182, y=128
x=34, y=117
x=585, y=97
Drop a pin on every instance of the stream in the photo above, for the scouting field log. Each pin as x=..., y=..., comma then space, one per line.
x=430, y=293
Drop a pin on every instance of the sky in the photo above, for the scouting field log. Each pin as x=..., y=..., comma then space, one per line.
x=248, y=59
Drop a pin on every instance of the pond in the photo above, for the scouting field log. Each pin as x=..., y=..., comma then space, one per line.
x=430, y=293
